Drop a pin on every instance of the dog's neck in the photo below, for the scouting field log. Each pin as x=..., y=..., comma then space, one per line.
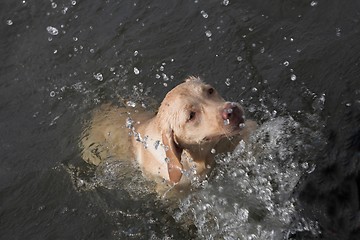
x=202, y=156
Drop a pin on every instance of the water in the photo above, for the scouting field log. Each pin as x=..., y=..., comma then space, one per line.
x=294, y=66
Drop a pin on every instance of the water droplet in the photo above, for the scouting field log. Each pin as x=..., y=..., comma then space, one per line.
x=53, y=5
x=254, y=89
x=136, y=70
x=156, y=144
x=165, y=77
x=75, y=39
x=131, y=104
x=157, y=76
x=313, y=3
x=226, y=122
x=64, y=10
x=227, y=82
x=136, y=53
x=213, y=151
x=226, y=2
x=91, y=50
x=286, y=63
x=52, y=30
x=73, y=2
x=338, y=32
x=239, y=58
x=204, y=14
x=305, y=165
x=293, y=77
x=9, y=22
x=55, y=51
x=208, y=33
x=319, y=102
x=161, y=68
x=129, y=123
x=52, y=94
x=98, y=76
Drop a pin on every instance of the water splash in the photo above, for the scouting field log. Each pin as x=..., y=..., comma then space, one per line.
x=250, y=195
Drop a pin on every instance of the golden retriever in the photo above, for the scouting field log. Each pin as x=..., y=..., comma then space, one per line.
x=176, y=144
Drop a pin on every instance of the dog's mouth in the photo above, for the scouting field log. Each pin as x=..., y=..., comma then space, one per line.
x=233, y=116
x=228, y=131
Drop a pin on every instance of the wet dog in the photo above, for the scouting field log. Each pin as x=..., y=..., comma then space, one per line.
x=176, y=144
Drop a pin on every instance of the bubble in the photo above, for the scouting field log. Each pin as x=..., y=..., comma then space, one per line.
x=98, y=76
x=136, y=70
x=52, y=30
x=293, y=77
x=204, y=14
x=208, y=33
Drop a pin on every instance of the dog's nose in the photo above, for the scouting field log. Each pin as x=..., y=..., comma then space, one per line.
x=233, y=114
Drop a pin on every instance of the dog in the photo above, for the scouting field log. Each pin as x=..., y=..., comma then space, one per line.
x=174, y=145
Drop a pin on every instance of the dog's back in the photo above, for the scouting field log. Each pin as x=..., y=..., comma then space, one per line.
x=108, y=134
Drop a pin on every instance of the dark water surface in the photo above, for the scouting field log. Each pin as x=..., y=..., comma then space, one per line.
x=293, y=64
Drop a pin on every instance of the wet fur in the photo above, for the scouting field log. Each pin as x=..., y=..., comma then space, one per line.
x=168, y=148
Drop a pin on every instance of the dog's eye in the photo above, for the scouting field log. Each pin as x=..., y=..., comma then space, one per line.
x=211, y=91
x=191, y=116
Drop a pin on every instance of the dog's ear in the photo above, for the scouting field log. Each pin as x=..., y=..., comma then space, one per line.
x=173, y=154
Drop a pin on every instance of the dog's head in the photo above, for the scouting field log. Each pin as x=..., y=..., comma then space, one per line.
x=194, y=116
